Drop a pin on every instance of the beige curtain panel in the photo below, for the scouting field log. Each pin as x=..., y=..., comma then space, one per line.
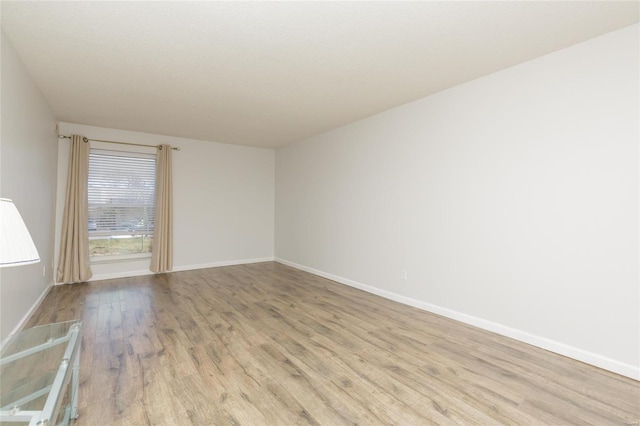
x=73, y=264
x=162, y=251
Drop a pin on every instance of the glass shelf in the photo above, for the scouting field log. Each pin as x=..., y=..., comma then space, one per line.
x=37, y=366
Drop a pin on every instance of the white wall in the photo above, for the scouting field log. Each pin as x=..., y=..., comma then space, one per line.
x=28, y=153
x=511, y=201
x=223, y=200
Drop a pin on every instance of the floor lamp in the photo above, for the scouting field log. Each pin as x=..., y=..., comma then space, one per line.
x=16, y=246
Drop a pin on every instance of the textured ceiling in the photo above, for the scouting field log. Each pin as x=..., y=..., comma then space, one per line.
x=270, y=73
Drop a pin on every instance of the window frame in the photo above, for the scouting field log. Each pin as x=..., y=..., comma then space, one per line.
x=127, y=153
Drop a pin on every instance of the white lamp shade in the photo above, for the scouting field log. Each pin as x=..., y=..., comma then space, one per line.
x=16, y=245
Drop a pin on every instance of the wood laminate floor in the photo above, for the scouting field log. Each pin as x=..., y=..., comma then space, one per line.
x=265, y=344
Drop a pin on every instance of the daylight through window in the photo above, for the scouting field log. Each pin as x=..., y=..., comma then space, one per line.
x=121, y=202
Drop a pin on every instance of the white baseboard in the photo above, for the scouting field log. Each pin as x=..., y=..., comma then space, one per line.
x=28, y=314
x=600, y=361
x=141, y=272
x=223, y=263
x=114, y=275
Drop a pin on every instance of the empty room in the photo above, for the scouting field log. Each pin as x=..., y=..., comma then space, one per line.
x=327, y=213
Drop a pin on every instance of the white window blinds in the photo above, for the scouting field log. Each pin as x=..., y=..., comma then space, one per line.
x=121, y=193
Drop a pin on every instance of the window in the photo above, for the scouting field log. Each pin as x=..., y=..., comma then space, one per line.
x=121, y=203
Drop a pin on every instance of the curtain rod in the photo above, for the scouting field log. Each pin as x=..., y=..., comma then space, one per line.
x=119, y=143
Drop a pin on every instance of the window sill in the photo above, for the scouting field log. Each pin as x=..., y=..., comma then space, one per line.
x=119, y=258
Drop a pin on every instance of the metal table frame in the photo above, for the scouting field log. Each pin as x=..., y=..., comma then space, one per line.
x=71, y=358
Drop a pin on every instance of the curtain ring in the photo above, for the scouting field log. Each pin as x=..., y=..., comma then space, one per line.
x=85, y=140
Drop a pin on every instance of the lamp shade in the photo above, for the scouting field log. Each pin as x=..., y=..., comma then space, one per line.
x=16, y=245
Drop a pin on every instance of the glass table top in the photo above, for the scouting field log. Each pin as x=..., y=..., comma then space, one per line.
x=30, y=361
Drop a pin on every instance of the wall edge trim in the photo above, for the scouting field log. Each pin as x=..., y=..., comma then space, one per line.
x=28, y=314
x=560, y=348
x=141, y=272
